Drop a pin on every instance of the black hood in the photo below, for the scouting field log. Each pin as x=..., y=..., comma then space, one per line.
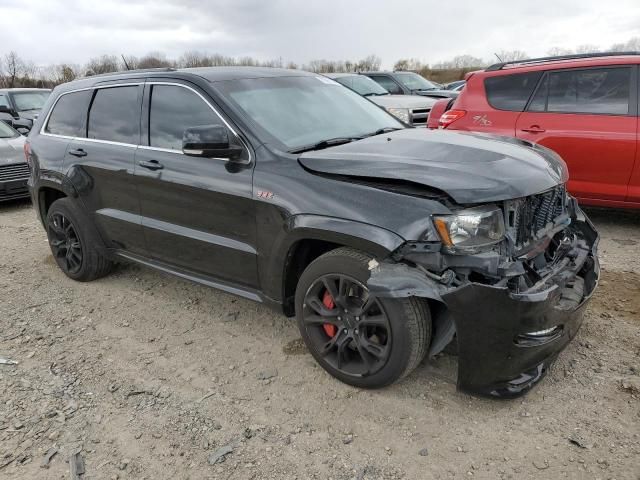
x=470, y=168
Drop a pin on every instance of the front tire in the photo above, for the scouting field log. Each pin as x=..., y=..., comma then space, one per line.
x=74, y=244
x=362, y=340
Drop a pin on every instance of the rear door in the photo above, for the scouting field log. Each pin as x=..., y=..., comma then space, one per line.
x=198, y=213
x=589, y=117
x=100, y=164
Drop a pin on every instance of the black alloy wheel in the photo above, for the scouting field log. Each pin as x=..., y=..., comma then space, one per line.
x=347, y=326
x=65, y=243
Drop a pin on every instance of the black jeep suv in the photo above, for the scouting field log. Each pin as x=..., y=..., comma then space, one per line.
x=387, y=243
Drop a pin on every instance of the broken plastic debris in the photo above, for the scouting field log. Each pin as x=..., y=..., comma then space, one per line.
x=7, y=361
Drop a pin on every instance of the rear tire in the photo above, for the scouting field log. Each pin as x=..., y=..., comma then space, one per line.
x=75, y=245
x=363, y=341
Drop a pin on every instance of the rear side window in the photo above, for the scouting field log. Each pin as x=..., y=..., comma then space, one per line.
x=388, y=84
x=115, y=115
x=511, y=92
x=601, y=90
x=173, y=110
x=68, y=115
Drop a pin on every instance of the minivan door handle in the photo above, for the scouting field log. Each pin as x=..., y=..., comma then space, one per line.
x=534, y=129
x=151, y=164
x=78, y=153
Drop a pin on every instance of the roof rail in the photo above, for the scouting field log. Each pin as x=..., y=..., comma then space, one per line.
x=140, y=70
x=576, y=56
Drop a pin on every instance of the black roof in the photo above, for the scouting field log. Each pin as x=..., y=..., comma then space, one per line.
x=212, y=74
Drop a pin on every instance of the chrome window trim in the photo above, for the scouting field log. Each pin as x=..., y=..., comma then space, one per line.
x=144, y=147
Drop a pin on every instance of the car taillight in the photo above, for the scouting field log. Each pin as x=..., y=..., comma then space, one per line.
x=449, y=117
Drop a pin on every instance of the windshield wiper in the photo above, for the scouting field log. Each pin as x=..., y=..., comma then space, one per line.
x=331, y=142
x=380, y=131
x=374, y=94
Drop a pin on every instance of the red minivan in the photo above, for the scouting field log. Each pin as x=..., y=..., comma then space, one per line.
x=585, y=107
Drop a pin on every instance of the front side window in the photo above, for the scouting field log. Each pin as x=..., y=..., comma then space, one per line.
x=415, y=82
x=4, y=101
x=511, y=92
x=174, y=109
x=367, y=87
x=300, y=111
x=602, y=90
x=115, y=115
x=27, y=101
x=68, y=115
x=388, y=84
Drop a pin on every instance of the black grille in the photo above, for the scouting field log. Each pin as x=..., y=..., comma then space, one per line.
x=16, y=171
x=529, y=215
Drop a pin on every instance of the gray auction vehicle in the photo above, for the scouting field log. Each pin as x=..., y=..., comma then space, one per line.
x=14, y=171
x=411, y=109
x=19, y=107
x=409, y=83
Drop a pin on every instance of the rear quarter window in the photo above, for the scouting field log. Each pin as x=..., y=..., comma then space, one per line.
x=511, y=92
x=68, y=115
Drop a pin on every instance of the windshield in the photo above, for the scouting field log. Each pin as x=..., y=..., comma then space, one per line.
x=413, y=81
x=301, y=111
x=29, y=100
x=6, y=131
x=363, y=85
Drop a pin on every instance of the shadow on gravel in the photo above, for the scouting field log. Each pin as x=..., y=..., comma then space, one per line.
x=613, y=216
x=13, y=205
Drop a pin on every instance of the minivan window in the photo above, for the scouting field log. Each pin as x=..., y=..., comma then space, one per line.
x=173, y=110
x=4, y=101
x=115, y=115
x=511, y=92
x=7, y=132
x=602, y=90
x=68, y=115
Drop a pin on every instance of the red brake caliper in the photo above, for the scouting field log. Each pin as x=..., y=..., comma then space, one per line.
x=327, y=301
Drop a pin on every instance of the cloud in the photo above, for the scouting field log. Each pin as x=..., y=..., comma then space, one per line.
x=51, y=31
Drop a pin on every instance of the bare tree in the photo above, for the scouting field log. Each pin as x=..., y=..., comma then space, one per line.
x=461, y=62
x=412, y=64
x=12, y=69
x=154, y=60
x=587, y=48
x=512, y=55
x=103, y=64
x=559, y=51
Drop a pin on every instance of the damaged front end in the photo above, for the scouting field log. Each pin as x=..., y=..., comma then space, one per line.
x=512, y=306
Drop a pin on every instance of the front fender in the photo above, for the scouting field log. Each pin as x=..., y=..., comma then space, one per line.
x=371, y=239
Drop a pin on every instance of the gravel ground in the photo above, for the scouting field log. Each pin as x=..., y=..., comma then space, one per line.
x=141, y=375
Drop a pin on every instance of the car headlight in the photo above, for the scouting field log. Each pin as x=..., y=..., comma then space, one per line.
x=470, y=229
x=400, y=113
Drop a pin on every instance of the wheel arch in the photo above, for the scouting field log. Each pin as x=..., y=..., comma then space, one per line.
x=309, y=236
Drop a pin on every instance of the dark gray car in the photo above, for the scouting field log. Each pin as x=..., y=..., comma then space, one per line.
x=411, y=109
x=409, y=83
x=19, y=107
x=14, y=171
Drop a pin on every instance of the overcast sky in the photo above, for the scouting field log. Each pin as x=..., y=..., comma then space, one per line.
x=53, y=31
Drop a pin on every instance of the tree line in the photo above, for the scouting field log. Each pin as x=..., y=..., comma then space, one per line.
x=18, y=72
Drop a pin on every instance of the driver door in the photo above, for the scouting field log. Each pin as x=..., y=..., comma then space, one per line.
x=197, y=212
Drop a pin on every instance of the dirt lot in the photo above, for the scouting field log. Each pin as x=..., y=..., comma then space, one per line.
x=147, y=376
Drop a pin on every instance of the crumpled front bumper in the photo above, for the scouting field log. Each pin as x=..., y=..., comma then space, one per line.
x=497, y=353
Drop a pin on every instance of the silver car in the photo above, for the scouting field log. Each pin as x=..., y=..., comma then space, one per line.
x=411, y=109
x=14, y=171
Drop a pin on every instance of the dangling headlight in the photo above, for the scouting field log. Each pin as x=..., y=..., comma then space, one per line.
x=471, y=229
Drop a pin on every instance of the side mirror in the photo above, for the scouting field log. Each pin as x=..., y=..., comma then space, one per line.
x=210, y=141
x=22, y=124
